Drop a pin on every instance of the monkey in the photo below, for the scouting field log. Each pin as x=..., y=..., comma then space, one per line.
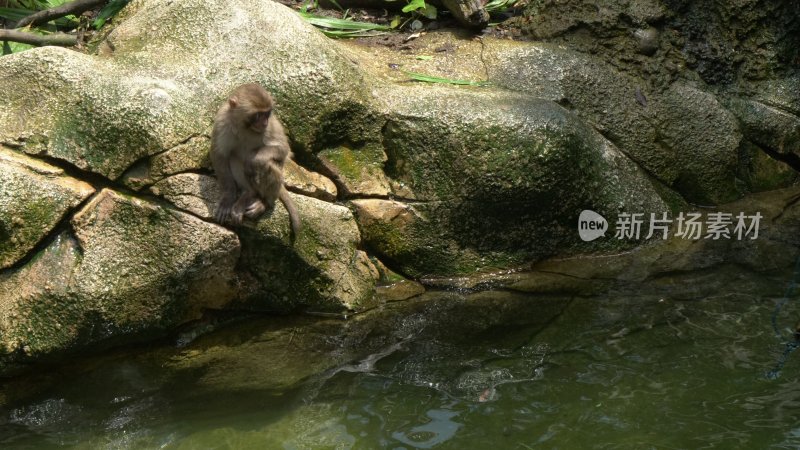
x=248, y=151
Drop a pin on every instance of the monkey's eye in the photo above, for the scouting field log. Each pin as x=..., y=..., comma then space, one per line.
x=259, y=117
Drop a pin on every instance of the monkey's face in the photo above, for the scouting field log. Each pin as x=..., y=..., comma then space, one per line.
x=258, y=120
x=250, y=107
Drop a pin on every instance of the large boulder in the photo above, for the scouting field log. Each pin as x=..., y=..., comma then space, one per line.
x=130, y=269
x=321, y=269
x=682, y=135
x=497, y=179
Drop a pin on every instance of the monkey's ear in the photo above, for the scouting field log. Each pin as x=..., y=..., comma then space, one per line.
x=233, y=102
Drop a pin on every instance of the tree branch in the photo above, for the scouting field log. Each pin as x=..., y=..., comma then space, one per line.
x=44, y=16
x=61, y=39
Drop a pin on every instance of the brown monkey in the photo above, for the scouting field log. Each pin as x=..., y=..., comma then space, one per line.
x=248, y=150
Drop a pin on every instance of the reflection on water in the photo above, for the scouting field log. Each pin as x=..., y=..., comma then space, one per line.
x=650, y=367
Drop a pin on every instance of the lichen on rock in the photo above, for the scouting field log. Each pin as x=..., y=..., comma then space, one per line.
x=34, y=197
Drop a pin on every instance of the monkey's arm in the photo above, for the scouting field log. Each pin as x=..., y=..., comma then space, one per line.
x=265, y=171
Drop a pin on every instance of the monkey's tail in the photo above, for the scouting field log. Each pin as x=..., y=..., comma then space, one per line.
x=294, y=217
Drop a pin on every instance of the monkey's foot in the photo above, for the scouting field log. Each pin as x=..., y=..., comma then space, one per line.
x=223, y=215
x=236, y=218
x=254, y=209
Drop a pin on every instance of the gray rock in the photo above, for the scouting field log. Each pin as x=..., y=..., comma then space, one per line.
x=647, y=40
x=34, y=197
x=306, y=182
x=132, y=270
x=505, y=184
x=670, y=134
x=704, y=138
x=767, y=126
x=190, y=192
x=186, y=156
x=321, y=269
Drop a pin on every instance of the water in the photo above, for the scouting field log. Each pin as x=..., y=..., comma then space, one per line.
x=663, y=365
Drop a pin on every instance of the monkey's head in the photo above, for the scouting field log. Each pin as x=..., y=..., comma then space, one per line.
x=252, y=107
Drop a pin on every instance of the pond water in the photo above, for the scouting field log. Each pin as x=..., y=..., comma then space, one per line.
x=661, y=365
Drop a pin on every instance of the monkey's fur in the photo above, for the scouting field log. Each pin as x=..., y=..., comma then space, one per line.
x=248, y=151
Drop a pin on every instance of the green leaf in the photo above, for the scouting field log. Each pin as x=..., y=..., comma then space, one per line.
x=14, y=14
x=396, y=22
x=432, y=79
x=340, y=28
x=110, y=10
x=498, y=5
x=338, y=34
x=33, y=5
x=54, y=3
x=342, y=25
x=414, y=5
x=307, y=5
x=15, y=47
x=429, y=12
x=424, y=57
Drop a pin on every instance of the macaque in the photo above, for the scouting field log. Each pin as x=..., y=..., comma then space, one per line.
x=248, y=150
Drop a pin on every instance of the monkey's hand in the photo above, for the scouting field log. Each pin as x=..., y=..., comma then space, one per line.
x=254, y=209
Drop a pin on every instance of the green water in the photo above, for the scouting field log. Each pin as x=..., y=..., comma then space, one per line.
x=680, y=362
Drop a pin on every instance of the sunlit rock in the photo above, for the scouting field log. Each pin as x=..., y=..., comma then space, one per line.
x=34, y=196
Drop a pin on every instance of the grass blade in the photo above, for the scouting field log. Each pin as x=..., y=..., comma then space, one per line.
x=350, y=34
x=110, y=10
x=341, y=28
x=416, y=76
x=340, y=24
x=498, y=5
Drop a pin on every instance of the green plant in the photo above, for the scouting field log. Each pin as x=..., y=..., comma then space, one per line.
x=421, y=8
x=35, y=5
x=15, y=14
x=496, y=6
x=23, y=8
x=416, y=76
x=343, y=28
x=110, y=10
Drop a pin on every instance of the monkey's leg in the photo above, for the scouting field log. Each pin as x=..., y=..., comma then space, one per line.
x=226, y=203
x=224, y=167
